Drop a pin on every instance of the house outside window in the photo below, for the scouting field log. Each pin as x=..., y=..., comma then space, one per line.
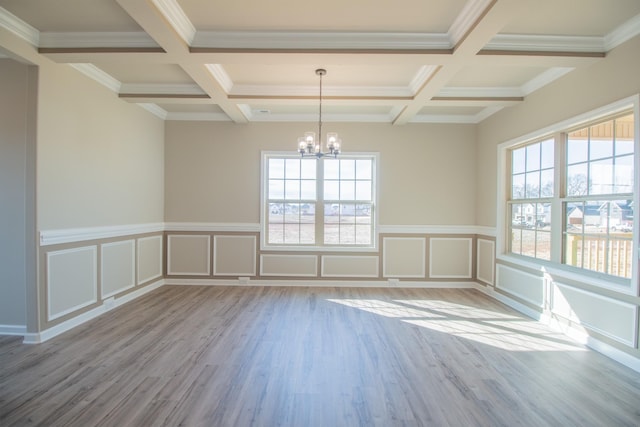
x=310, y=203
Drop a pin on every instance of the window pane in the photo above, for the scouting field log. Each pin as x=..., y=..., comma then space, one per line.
x=347, y=169
x=363, y=235
x=292, y=233
x=517, y=160
x=574, y=213
x=624, y=146
x=332, y=190
x=517, y=187
x=533, y=185
x=347, y=234
x=543, y=221
x=533, y=157
x=577, y=180
x=620, y=256
x=276, y=168
x=331, y=213
x=363, y=190
x=601, y=144
x=307, y=234
x=308, y=190
x=276, y=233
x=573, y=249
x=528, y=242
x=292, y=168
x=623, y=179
x=331, y=234
x=292, y=190
x=547, y=155
x=543, y=245
x=347, y=190
x=363, y=169
x=624, y=135
x=516, y=241
x=276, y=189
x=546, y=183
x=331, y=168
x=308, y=169
x=516, y=215
x=601, y=177
x=577, y=147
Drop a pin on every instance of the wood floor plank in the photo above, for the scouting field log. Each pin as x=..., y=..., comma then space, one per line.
x=286, y=356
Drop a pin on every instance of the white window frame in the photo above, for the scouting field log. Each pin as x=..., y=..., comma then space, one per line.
x=622, y=285
x=319, y=246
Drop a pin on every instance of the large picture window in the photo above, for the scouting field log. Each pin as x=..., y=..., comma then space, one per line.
x=570, y=197
x=598, y=207
x=328, y=202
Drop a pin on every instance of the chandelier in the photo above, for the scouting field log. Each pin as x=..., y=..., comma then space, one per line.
x=308, y=145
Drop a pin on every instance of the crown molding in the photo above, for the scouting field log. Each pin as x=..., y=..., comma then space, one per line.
x=154, y=109
x=624, y=32
x=466, y=19
x=18, y=27
x=317, y=40
x=422, y=76
x=544, y=79
x=480, y=92
x=327, y=91
x=176, y=17
x=544, y=43
x=198, y=117
x=221, y=76
x=99, y=76
x=131, y=39
x=162, y=89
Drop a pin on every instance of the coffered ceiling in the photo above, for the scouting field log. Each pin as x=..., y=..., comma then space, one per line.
x=454, y=61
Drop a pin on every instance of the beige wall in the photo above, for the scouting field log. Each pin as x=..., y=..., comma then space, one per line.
x=100, y=160
x=427, y=172
x=613, y=78
x=13, y=191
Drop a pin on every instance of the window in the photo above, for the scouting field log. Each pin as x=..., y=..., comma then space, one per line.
x=319, y=203
x=598, y=207
x=532, y=182
x=571, y=196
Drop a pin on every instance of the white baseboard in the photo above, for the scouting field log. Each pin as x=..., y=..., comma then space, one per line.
x=47, y=334
x=13, y=329
x=321, y=283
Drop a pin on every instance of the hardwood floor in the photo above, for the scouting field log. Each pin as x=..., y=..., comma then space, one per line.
x=281, y=356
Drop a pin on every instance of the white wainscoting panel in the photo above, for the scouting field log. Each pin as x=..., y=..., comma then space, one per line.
x=149, y=258
x=72, y=280
x=486, y=261
x=404, y=257
x=349, y=266
x=118, y=267
x=523, y=285
x=288, y=265
x=189, y=254
x=615, y=319
x=451, y=257
x=234, y=255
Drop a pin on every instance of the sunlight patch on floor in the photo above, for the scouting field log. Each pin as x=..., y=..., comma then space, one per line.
x=502, y=330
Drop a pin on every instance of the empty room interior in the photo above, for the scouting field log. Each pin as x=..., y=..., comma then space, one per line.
x=339, y=213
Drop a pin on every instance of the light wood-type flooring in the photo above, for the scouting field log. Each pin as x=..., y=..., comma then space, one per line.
x=286, y=356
